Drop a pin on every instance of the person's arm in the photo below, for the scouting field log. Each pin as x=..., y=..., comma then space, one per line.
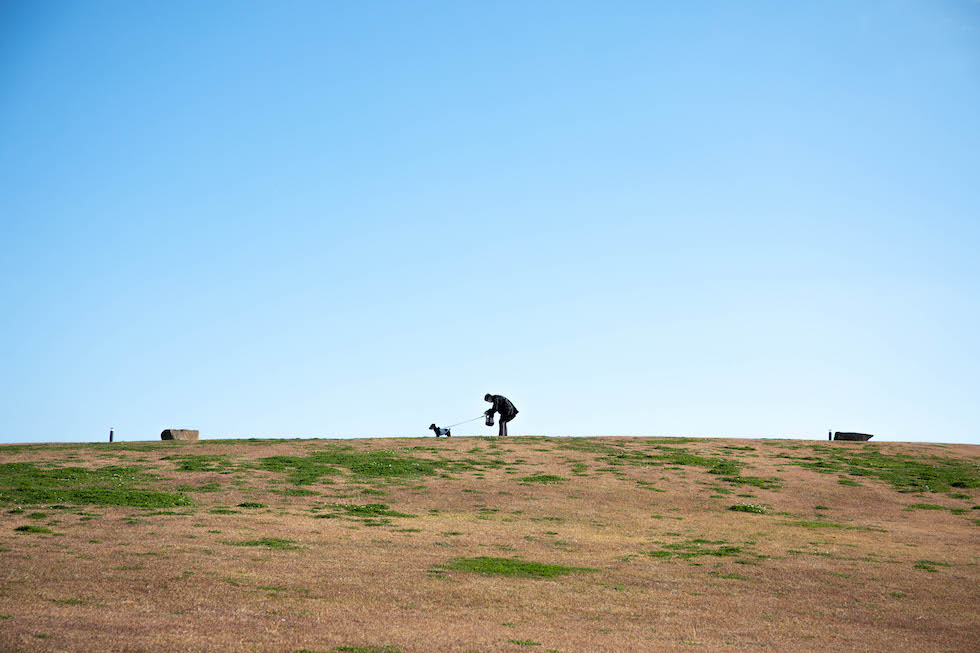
x=490, y=411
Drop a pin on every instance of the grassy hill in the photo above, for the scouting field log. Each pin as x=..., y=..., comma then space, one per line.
x=486, y=544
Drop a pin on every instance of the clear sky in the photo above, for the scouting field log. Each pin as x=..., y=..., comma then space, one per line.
x=291, y=219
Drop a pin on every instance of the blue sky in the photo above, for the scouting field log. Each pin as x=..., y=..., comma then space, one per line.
x=752, y=219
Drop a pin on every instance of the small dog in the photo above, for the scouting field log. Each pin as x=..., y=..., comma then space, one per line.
x=440, y=431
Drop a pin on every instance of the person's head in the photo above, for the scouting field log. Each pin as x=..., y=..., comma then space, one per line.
x=488, y=397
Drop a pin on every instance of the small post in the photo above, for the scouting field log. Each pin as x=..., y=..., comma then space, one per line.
x=829, y=436
x=111, y=433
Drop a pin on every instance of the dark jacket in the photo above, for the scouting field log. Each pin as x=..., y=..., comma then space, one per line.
x=503, y=406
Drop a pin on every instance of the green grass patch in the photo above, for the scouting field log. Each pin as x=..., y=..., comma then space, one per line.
x=107, y=486
x=749, y=507
x=547, y=479
x=670, y=457
x=299, y=470
x=592, y=445
x=817, y=523
x=32, y=529
x=729, y=576
x=930, y=565
x=266, y=542
x=199, y=463
x=212, y=486
x=252, y=504
x=489, y=566
x=549, y=518
x=903, y=472
x=674, y=456
x=295, y=492
x=755, y=481
x=363, y=649
x=369, y=510
x=696, y=548
x=329, y=462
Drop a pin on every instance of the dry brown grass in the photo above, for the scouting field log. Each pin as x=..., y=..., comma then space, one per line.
x=172, y=583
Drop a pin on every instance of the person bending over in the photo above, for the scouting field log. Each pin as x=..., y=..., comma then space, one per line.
x=503, y=406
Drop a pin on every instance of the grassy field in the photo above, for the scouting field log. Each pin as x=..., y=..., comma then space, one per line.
x=486, y=544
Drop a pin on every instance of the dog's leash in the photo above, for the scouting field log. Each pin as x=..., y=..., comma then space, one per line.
x=465, y=422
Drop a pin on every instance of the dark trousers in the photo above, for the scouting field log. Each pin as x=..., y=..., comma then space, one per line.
x=503, y=424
